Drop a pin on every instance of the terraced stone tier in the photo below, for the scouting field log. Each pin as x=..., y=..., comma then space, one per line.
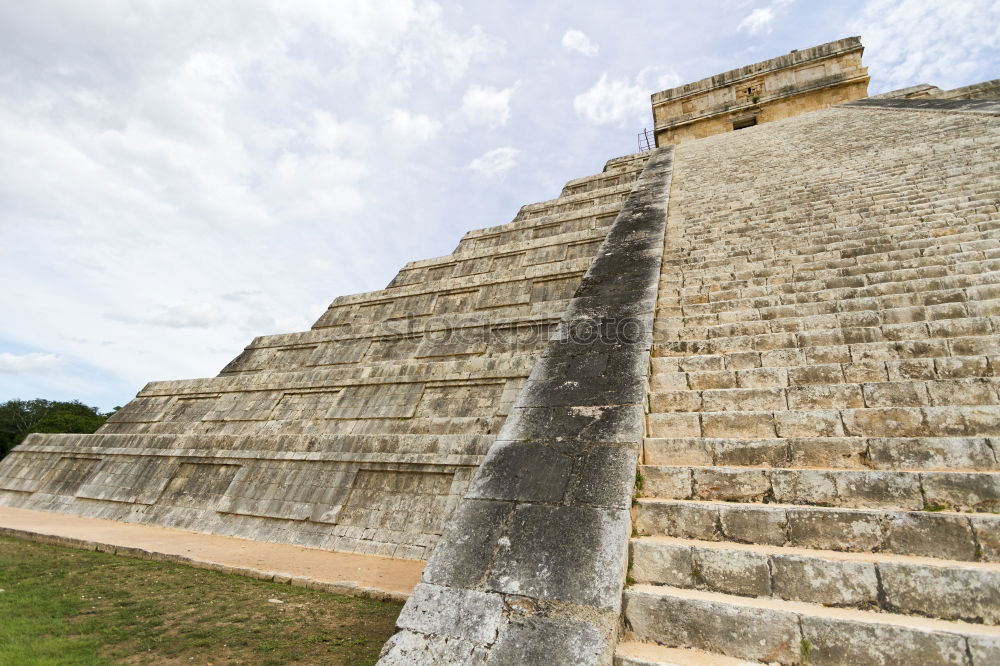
x=360, y=434
x=820, y=481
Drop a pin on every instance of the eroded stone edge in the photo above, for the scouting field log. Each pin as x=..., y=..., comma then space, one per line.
x=532, y=566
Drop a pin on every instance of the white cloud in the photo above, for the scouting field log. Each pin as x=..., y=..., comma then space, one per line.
x=761, y=19
x=186, y=315
x=576, y=40
x=30, y=363
x=485, y=105
x=612, y=102
x=757, y=21
x=658, y=78
x=495, y=162
x=924, y=41
x=411, y=129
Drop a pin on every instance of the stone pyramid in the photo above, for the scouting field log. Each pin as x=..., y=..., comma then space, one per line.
x=360, y=434
x=730, y=401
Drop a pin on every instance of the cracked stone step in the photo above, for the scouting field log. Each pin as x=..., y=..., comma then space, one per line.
x=634, y=653
x=862, y=453
x=953, y=421
x=943, y=535
x=886, y=242
x=954, y=322
x=810, y=239
x=841, y=307
x=788, y=632
x=906, y=490
x=957, y=266
x=667, y=376
x=705, y=274
x=924, y=356
x=789, y=349
x=891, y=583
x=843, y=395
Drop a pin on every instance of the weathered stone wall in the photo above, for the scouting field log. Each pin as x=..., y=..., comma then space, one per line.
x=781, y=87
x=361, y=434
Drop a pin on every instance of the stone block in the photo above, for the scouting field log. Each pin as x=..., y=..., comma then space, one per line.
x=737, y=424
x=834, y=529
x=931, y=535
x=753, y=524
x=747, y=632
x=838, y=641
x=951, y=593
x=410, y=648
x=963, y=490
x=522, y=471
x=814, y=423
x=450, y=612
x=674, y=425
x=563, y=553
x=731, y=571
x=735, y=484
x=661, y=563
x=551, y=640
x=603, y=476
x=827, y=582
x=465, y=551
x=666, y=482
x=677, y=451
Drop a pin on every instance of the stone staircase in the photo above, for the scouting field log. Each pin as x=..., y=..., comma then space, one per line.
x=820, y=481
x=361, y=434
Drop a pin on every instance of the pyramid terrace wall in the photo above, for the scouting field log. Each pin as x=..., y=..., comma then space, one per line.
x=360, y=434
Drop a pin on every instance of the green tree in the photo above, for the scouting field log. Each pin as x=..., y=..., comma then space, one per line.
x=19, y=418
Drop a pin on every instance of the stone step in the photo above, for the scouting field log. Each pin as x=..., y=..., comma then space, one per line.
x=889, y=583
x=789, y=262
x=667, y=376
x=890, y=453
x=779, y=266
x=869, y=489
x=789, y=632
x=813, y=236
x=918, y=299
x=748, y=338
x=726, y=274
x=816, y=236
x=476, y=263
x=843, y=395
x=960, y=421
x=523, y=231
x=832, y=227
x=912, y=341
x=957, y=318
x=875, y=362
x=634, y=653
x=708, y=290
x=944, y=534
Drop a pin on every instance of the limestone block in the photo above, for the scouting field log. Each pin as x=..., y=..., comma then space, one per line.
x=953, y=593
x=745, y=631
x=828, y=582
x=741, y=572
x=837, y=641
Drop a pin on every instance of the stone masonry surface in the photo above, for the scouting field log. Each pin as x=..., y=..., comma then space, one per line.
x=360, y=435
x=532, y=566
x=820, y=481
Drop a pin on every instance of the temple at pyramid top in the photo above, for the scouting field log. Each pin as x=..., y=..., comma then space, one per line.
x=800, y=81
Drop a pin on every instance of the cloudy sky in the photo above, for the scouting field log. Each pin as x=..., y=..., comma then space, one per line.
x=178, y=177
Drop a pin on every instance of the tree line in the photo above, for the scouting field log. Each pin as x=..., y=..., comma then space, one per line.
x=20, y=418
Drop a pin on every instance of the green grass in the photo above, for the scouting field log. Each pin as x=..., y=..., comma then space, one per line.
x=60, y=606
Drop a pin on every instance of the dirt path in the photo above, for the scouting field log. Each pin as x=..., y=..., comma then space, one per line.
x=345, y=573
